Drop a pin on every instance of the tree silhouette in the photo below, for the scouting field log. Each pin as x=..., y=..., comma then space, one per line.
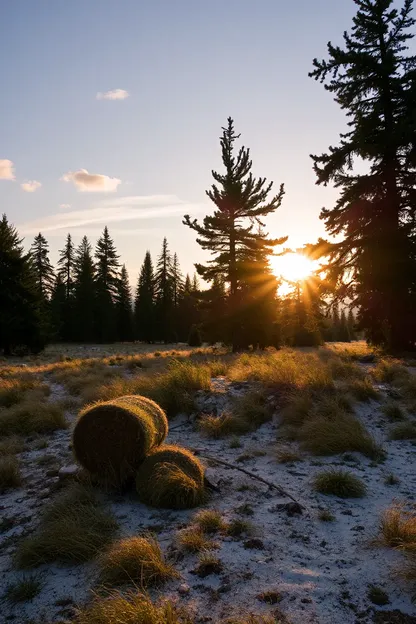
x=144, y=307
x=85, y=293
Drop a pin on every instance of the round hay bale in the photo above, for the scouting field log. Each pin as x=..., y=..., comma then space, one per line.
x=171, y=477
x=154, y=410
x=112, y=438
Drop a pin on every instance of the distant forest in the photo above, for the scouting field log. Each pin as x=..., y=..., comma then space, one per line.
x=368, y=265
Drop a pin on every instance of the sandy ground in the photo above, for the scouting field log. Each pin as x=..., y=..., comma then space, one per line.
x=321, y=570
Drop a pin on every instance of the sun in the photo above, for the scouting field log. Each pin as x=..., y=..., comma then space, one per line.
x=293, y=267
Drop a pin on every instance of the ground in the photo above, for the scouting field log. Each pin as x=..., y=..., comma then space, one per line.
x=294, y=565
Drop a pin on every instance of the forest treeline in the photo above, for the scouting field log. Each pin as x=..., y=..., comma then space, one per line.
x=368, y=264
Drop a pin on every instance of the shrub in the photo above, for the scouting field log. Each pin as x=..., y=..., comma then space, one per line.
x=344, y=433
x=131, y=608
x=9, y=473
x=209, y=521
x=30, y=417
x=111, y=438
x=73, y=529
x=23, y=590
x=339, y=483
x=404, y=431
x=194, y=339
x=171, y=477
x=193, y=540
x=136, y=560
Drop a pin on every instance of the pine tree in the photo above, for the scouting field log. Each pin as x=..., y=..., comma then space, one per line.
x=107, y=277
x=188, y=311
x=65, y=273
x=213, y=311
x=336, y=324
x=241, y=202
x=373, y=79
x=144, y=307
x=164, y=295
x=20, y=320
x=59, y=310
x=344, y=334
x=124, y=311
x=351, y=324
x=177, y=280
x=85, y=293
x=42, y=268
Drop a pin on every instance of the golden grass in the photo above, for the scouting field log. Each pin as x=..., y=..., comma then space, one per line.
x=193, y=540
x=398, y=528
x=10, y=477
x=361, y=389
x=131, y=608
x=15, y=388
x=30, y=417
x=339, y=483
x=74, y=528
x=223, y=425
x=137, y=560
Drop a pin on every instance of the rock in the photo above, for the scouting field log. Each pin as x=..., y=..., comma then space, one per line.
x=292, y=509
x=254, y=543
x=68, y=472
x=184, y=589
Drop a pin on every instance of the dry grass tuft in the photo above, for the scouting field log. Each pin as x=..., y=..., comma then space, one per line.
x=287, y=455
x=339, y=483
x=209, y=521
x=23, y=590
x=404, y=431
x=193, y=540
x=73, y=529
x=136, y=560
x=19, y=387
x=219, y=426
x=131, y=608
x=11, y=446
x=398, y=528
x=393, y=411
x=30, y=417
x=362, y=390
x=10, y=476
x=238, y=527
x=208, y=564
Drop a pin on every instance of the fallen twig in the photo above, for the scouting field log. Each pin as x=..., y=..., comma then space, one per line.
x=250, y=474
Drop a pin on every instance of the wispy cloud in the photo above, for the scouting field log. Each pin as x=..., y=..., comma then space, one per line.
x=134, y=208
x=114, y=94
x=64, y=206
x=91, y=182
x=6, y=169
x=31, y=186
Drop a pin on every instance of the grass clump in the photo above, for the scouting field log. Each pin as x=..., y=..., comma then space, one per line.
x=14, y=390
x=11, y=446
x=339, y=483
x=131, y=608
x=136, y=560
x=223, y=425
x=73, y=529
x=287, y=455
x=171, y=477
x=362, y=390
x=252, y=408
x=377, y=596
x=30, y=417
x=238, y=527
x=23, y=590
x=208, y=564
x=391, y=479
x=404, y=431
x=398, y=528
x=326, y=516
x=10, y=476
x=193, y=540
x=393, y=411
x=344, y=433
x=209, y=521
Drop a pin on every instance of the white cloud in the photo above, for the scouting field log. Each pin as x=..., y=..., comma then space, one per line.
x=6, y=169
x=114, y=94
x=64, y=206
x=132, y=208
x=91, y=182
x=31, y=186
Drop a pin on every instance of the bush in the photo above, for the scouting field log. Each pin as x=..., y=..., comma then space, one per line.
x=136, y=560
x=111, y=438
x=171, y=477
x=9, y=473
x=194, y=339
x=131, y=608
x=30, y=417
x=339, y=483
x=73, y=529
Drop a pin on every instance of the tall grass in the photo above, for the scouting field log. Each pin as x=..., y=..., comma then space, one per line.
x=31, y=416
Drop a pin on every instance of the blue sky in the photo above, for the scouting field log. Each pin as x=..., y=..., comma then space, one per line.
x=186, y=65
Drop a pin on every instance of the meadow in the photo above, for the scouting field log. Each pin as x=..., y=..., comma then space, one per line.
x=309, y=512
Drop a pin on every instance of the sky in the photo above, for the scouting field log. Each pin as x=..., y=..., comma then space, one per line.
x=111, y=113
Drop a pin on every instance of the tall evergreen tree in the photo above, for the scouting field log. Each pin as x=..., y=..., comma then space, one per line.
x=107, y=277
x=351, y=324
x=85, y=293
x=59, y=311
x=164, y=294
x=177, y=280
x=373, y=80
x=241, y=201
x=20, y=320
x=65, y=275
x=144, y=306
x=124, y=310
x=42, y=268
x=344, y=335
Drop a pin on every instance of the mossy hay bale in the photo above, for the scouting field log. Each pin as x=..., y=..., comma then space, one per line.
x=171, y=477
x=112, y=438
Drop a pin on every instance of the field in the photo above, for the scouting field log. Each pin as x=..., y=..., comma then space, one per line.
x=310, y=512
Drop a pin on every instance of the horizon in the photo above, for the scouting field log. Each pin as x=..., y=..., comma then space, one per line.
x=120, y=125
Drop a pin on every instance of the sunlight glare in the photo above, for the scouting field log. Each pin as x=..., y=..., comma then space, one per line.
x=293, y=267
